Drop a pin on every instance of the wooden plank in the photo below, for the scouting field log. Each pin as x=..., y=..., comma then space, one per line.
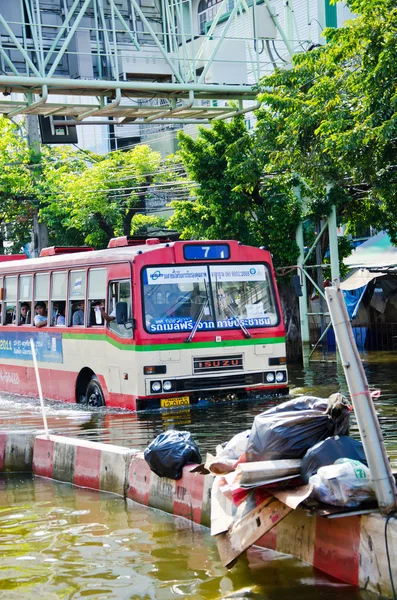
x=245, y=531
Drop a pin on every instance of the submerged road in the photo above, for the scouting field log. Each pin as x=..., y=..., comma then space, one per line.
x=137, y=430
x=59, y=541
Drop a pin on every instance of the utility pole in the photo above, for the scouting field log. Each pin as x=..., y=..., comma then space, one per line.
x=303, y=305
x=40, y=230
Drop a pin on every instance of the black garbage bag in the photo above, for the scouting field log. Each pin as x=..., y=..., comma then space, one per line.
x=170, y=452
x=327, y=452
x=290, y=429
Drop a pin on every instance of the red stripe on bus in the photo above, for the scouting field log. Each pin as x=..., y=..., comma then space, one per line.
x=87, y=467
x=139, y=476
x=336, y=548
x=189, y=493
x=43, y=457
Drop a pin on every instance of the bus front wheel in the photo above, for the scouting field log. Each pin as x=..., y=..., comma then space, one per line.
x=94, y=395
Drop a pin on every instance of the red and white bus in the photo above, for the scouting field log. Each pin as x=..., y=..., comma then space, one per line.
x=179, y=321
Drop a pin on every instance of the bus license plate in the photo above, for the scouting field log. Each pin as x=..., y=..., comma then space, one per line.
x=180, y=401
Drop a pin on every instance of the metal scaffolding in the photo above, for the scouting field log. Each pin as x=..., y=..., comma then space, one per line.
x=118, y=51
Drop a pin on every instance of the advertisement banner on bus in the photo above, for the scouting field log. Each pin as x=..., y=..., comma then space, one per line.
x=16, y=345
x=238, y=273
x=187, y=324
x=167, y=275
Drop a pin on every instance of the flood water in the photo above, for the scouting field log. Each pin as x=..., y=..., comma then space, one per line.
x=59, y=541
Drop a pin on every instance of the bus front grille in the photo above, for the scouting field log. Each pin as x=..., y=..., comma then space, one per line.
x=231, y=381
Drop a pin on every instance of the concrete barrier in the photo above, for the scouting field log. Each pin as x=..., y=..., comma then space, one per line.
x=86, y=464
x=351, y=549
x=188, y=497
x=16, y=451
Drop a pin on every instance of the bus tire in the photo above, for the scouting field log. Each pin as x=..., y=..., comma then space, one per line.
x=94, y=395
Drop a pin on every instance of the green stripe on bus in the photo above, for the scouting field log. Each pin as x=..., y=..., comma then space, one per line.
x=180, y=346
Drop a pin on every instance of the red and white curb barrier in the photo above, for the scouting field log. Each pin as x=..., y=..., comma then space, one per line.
x=351, y=549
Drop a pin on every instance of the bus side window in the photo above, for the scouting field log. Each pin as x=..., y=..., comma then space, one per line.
x=77, y=280
x=41, y=289
x=58, y=299
x=119, y=291
x=10, y=306
x=96, y=296
x=24, y=314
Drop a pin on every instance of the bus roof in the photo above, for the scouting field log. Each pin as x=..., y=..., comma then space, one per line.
x=92, y=257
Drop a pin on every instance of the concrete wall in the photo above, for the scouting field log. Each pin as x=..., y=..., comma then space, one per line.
x=351, y=549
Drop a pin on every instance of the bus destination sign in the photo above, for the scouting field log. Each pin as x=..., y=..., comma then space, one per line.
x=206, y=252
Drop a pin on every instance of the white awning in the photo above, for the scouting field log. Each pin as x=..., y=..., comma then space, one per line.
x=377, y=252
x=359, y=278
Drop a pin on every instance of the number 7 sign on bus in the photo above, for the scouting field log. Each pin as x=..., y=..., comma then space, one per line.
x=141, y=326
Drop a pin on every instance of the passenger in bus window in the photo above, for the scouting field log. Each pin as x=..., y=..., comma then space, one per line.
x=40, y=319
x=78, y=315
x=60, y=315
x=96, y=317
x=108, y=317
x=24, y=317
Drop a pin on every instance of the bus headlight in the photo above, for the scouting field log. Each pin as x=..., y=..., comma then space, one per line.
x=167, y=386
x=270, y=377
x=156, y=386
x=280, y=376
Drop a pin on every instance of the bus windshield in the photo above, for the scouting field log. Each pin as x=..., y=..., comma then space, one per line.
x=234, y=296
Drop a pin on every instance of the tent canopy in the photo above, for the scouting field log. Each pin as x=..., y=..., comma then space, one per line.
x=378, y=252
x=359, y=278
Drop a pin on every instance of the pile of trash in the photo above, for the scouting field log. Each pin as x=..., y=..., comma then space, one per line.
x=297, y=453
x=302, y=441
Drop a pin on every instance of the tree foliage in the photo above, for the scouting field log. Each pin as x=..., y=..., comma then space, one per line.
x=82, y=198
x=337, y=119
x=232, y=200
x=104, y=197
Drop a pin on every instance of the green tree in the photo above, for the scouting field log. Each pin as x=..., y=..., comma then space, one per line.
x=337, y=119
x=17, y=193
x=232, y=199
x=103, y=198
x=236, y=198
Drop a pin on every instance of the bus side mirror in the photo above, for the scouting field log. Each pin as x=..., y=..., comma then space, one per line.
x=121, y=313
x=296, y=284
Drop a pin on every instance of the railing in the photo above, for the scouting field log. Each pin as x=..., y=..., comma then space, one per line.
x=369, y=337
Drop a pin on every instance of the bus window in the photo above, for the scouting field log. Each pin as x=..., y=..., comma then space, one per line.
x=176, y=301
x=119, y=291
x=96, y=296
x=24, y=315
x=243, y=294
x=76, y=297
x=41, y=282
x=58, y=298
x=10, y=289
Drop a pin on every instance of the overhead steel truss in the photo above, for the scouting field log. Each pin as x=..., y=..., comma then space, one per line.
x=104, y=42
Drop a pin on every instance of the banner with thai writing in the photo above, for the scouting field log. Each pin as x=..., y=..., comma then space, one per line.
x=16, y=345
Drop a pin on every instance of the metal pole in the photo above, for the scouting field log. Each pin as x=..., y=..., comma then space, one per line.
x=40, y=230
x=303, y=306
x=36, y=370
x=58, y=83
x=367, y=420
x=320, y=282
x=333, y=245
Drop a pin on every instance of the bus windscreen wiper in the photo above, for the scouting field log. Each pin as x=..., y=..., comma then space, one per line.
x=239, y=323
x=233, y=313
x=198, y=320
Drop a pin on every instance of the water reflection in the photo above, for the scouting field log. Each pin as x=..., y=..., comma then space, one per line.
x=58, y=541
